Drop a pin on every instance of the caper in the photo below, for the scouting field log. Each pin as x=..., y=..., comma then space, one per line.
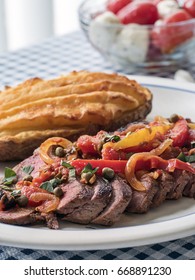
x=108, y=173
x=59, y=152
x=28, y=178
x=174, y=118
x=86, y=176
x=58, y=192
x=22, y=200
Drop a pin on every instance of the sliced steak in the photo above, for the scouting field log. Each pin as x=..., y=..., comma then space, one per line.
x=181, y=179
x=165, y=185
x=86, y=210
x=20, y=216
x=35, y=161
x=142, y=201
x=75, y=195
x=189, y=190
x=121, y=196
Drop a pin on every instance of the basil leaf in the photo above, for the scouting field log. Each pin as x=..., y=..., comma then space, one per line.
x=89, y=168
x=182, y=157
x=47, y=186
x=50, y=185
x=54, y=182
x=9, y=176
x=67, y=165
x=190, y=158
x=28, y=169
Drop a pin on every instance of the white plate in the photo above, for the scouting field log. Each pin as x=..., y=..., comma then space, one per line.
x=172, y=220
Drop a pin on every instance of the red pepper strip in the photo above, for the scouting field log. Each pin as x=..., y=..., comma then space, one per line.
x=117, y=165
x=180, y=133
x=147, y=161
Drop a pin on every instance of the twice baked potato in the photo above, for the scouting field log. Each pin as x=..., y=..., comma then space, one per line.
x=68, y=106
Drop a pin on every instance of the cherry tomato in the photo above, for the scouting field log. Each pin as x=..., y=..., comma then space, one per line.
x=189, y=6
x=178, y=16
x=167, y=37
x=180, y=133
x=116, y=5
x=138, y=12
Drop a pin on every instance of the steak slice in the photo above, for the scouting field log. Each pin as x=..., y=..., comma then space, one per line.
x=20, y=216
x=142, y=201
x=26, y=216
x=166, y=184
x=181, y=179
x=189, y=190
x=121, y=196
x=75, y=195
x=35, y=161
x=86, y=210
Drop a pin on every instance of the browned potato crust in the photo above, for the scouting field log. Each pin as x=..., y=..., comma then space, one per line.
x=71, y=105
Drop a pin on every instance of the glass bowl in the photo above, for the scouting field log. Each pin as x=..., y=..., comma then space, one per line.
x=134, y=47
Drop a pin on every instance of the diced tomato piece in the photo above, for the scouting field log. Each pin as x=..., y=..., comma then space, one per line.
x=110, y=153
x=87, y=145
x=116, y=5
x=90, y=145
x=180, y=133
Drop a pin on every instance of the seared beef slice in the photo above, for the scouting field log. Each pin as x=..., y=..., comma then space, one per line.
x=142, y=201
x=82, y=203
x=20, y=216
x=121, y=196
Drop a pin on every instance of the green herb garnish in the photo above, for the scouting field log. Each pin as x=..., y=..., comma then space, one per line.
x=9, y=176
x=67, y=165
x=185, y=158
x=28, y=169
x=72, y=171
x=6, y=188
x=50, y=185
x=112, y=138
x=89, y=168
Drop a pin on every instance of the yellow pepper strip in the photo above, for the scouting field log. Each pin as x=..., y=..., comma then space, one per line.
x=141, y=136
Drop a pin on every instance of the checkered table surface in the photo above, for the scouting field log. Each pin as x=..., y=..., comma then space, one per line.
x=54, y=57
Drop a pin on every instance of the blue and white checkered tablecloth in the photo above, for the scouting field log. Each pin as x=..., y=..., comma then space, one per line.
x=54, y=57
